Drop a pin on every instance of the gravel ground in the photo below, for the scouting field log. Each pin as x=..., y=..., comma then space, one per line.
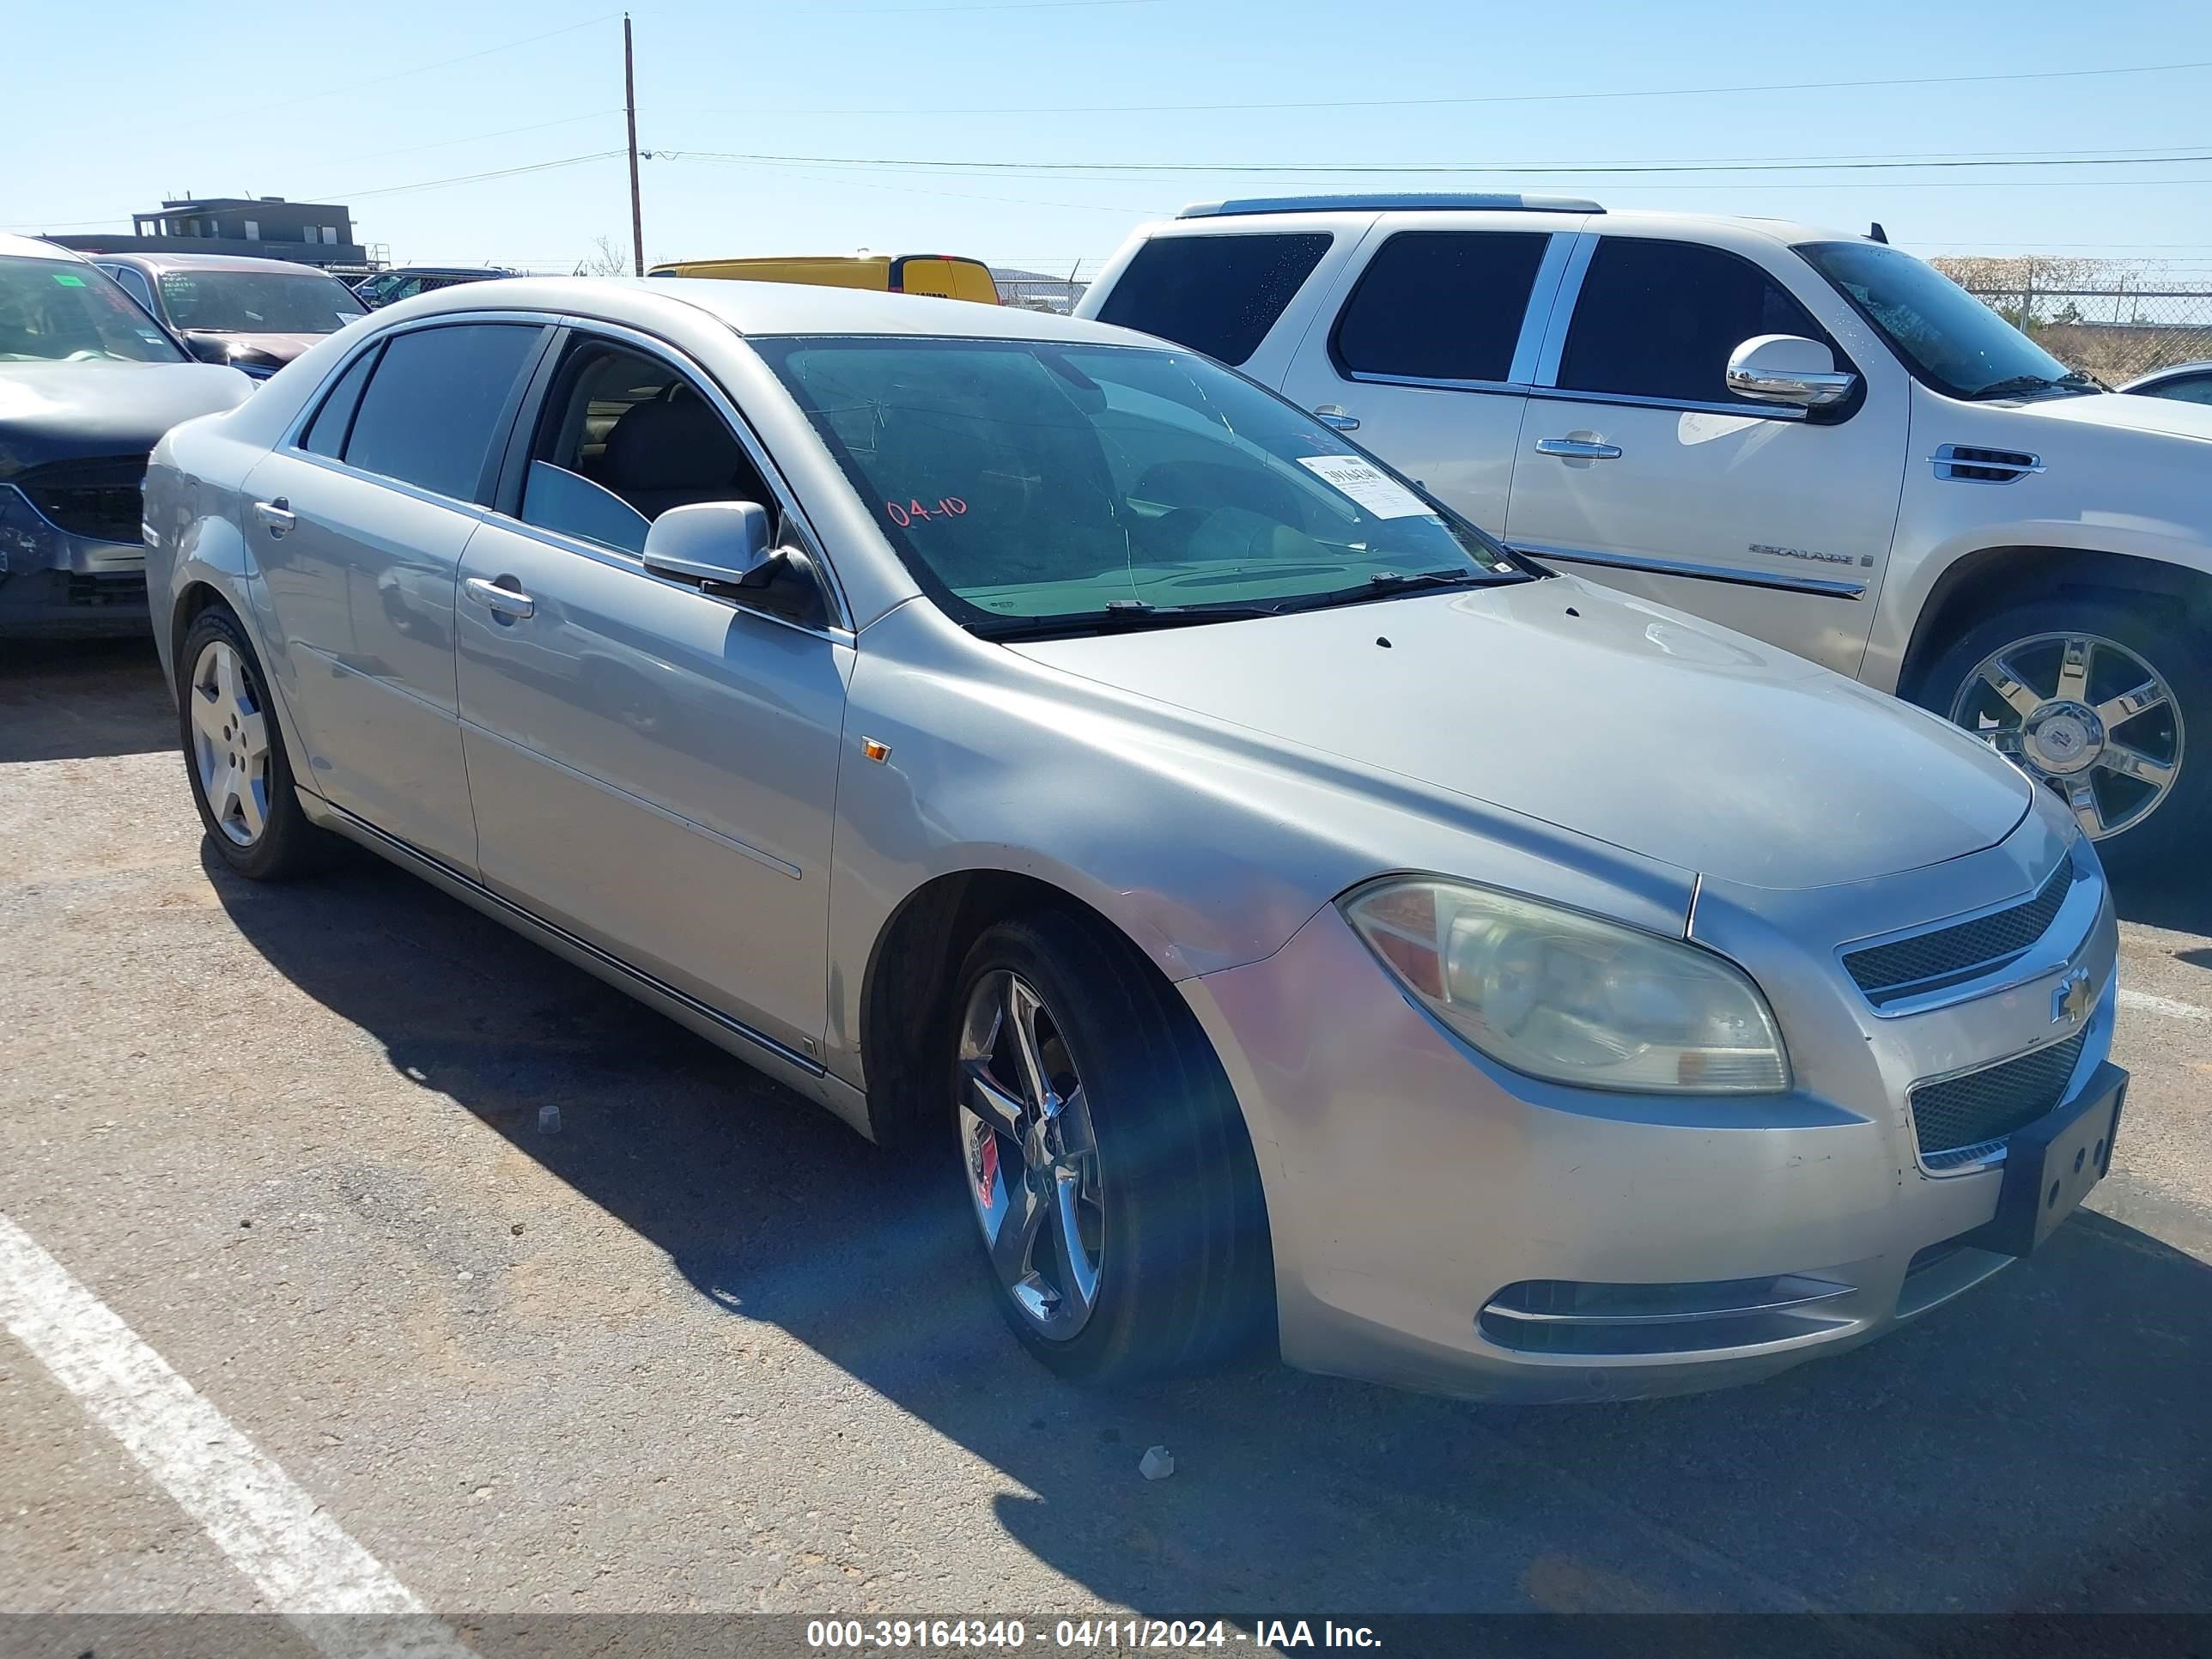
x=703, y=1350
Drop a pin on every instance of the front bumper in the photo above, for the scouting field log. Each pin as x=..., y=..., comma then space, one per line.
x=1412, y=1184
x=57, y=585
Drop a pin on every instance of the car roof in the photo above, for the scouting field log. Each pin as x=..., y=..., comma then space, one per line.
x=203, y=262
x=1202, y=218
x=30, y=247
x=764, y=308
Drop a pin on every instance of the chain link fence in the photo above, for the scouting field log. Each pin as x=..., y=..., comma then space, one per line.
x=1035, y=293
x=2114, y=333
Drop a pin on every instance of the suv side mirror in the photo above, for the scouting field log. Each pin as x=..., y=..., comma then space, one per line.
x=1788, y=369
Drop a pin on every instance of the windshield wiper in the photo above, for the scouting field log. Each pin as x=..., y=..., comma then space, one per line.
x=2014, y=385
x=1384, y=583
x=1119, y=615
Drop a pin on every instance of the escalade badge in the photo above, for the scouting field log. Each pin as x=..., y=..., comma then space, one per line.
x=2070, y=1000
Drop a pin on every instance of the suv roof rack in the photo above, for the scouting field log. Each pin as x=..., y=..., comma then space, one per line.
x=1494, y=201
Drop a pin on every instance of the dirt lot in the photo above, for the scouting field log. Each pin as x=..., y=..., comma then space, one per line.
x=701, y=1348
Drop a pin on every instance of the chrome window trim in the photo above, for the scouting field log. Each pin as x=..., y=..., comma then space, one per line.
x=1509, y=388
x=1543, y=299
x=1633, y=400
x=1821, y=586
x=1562, y=308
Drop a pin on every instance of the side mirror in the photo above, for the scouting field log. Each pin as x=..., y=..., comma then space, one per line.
x=714, y=544
x=1789, y=368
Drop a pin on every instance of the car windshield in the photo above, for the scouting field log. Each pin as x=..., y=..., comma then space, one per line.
x=61, y=310
x=1949, y=338
x=1024, y=480
x=258, y=301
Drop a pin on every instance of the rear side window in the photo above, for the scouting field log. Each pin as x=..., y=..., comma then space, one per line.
x=1440, y=305
x=327, y=433
x=1217, y=295
x=1661, y=320
x=433, y=403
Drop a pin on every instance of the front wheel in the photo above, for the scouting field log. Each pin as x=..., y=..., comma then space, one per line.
x=2098, y=700
x=1104, y=1158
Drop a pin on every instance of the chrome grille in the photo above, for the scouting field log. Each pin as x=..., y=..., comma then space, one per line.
x=1962, y=1119
x=1926, y=962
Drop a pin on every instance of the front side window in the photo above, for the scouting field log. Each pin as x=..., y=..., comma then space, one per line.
x=434, y=402
x=1440, y=305
x=134, y=283
x=1947, y=338
x=1021, y=480
x=63, y=311
x=1662, y=319
x=258, y=302
x=1218, y=294
x=623, y=438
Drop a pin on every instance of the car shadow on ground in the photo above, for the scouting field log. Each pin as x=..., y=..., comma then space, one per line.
x=79, y=699
x=2171, y=900
x=2042, y=1443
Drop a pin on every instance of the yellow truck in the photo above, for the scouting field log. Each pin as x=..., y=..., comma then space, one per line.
x=946, y=276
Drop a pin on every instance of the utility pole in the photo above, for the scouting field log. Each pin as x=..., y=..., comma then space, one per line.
x=629, y=105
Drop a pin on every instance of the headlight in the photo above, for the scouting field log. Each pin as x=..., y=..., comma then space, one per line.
x=1566, y=997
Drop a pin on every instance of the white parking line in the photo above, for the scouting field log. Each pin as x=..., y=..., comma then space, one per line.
x=2145, y=1003
x=303, y=1563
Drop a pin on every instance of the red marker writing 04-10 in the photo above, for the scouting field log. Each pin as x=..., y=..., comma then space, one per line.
x=947, y=507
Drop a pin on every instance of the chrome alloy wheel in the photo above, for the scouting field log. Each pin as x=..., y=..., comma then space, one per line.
x=1032, y=1163
x=2084, y=715
x=230, y=744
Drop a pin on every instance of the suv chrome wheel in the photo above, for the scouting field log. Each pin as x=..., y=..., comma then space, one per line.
x=230, y=744
x=2084, y=715
x=1031, y=1159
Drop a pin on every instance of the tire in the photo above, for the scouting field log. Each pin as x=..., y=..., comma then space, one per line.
x=1167, y=1204
x=2140, y=824
x=235, y=758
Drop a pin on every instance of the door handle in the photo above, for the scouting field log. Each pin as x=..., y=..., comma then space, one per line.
x=1334, y=415
x=1577, y=449
x=506, y=601
x=276, y=516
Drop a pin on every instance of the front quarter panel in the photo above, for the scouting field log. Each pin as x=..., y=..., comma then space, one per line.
x=1208, y=845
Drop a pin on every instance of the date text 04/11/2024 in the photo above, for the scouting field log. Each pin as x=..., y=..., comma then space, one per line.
x=1097, y=1635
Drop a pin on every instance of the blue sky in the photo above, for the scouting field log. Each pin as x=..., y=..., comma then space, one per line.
x=143, y=100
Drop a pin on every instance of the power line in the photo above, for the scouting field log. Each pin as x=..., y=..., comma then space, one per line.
x=473, y=177
x=1310, y=169
x=1508, y=97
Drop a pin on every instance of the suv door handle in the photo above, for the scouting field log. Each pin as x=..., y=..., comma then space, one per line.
x=1334, y=415
x=1577, y=449
x=507, y=601
x=276, y=516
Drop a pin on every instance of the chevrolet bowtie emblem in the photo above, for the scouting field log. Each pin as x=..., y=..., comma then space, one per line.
x=2069, y=1002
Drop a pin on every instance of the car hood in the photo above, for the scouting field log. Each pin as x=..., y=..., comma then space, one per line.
x=67, y=411
x=1636, y=724
x=2124, y=411
x=268, y=350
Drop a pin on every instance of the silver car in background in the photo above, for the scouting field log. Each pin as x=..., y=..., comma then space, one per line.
x=1293, y=918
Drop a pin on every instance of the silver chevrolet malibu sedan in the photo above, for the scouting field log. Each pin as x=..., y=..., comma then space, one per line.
x=1289, y=916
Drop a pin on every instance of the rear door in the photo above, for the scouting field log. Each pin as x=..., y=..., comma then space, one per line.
x=1639, y=468
x=357, y=522
x=1425, y=351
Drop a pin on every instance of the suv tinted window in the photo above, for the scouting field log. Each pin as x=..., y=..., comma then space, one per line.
x=1218, y=294
x=428, y=416
x=1440, y=305
x=1661, y=320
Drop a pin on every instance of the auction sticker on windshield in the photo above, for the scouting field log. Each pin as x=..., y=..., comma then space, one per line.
x=1367, y=485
